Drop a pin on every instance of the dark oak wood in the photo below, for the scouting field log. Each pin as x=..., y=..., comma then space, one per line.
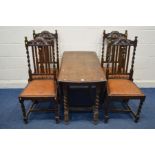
x=119, y=72
x=81, y=69
x=41, y=64
x=108, y=39
x=53, y=39
x=43, y=59
x=123, y=52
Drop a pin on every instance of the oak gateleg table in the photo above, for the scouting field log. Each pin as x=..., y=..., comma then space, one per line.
x=81, y=68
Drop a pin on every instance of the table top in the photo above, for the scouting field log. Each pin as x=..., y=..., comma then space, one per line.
x=81, y=67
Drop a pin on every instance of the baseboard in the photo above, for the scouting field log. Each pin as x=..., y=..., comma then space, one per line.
x=145, y=83
x=13, y=83
x=23, y=83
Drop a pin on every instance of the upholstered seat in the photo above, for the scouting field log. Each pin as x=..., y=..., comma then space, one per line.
x=123, y=87
x=40, y=88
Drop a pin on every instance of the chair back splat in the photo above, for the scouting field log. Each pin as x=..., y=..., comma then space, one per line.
x=53, y=37
x=42, y=63
x=108, y=39
x=120, y=59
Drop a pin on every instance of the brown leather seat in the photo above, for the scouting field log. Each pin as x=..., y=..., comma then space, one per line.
x=40, y=88
x=123, y=87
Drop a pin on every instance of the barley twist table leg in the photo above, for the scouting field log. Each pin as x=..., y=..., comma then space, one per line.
x=97, y=101
x=66, y=107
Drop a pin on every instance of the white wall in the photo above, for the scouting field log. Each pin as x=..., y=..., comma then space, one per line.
x=13, y=62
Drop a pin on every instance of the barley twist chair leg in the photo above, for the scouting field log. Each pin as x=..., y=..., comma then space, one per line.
x=57, y=112
x=106, y=110
x=139, y=110
x=23, y=110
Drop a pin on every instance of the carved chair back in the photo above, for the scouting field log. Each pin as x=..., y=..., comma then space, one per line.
x=120, y=58
x=108, y=39
x=53, y=37
x=41, y=58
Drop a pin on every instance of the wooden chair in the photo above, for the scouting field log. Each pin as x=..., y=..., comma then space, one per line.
x=108, y=39
x=119, y=87
x=41, y=58
x=51, y=37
